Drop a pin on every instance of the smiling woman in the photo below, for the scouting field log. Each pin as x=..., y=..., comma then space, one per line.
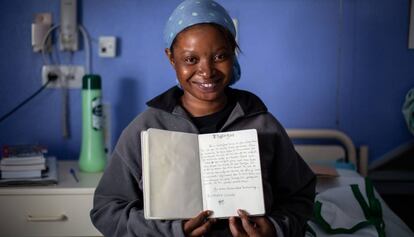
x=200, y=45
x=203, y=61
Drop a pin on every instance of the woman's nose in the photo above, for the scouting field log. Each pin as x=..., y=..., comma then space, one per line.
x=206, y=69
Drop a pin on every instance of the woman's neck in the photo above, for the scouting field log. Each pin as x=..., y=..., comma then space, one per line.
x=199, y=108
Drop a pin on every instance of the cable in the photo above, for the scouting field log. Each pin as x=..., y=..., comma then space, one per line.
x=27, y=100
x=65, y=111
x=87, y=49
x=87, y=46
x=64, y=83
x=65, y=103
x=44, y=43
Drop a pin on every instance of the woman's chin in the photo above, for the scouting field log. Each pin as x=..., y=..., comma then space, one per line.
x=214, y=96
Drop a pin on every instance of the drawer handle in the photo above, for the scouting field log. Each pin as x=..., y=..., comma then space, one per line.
x=31, y=218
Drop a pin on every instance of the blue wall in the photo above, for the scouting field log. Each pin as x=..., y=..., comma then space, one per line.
x=316, y=64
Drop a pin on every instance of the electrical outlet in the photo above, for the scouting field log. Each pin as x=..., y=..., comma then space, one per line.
x=68, y=76
x=107, y=46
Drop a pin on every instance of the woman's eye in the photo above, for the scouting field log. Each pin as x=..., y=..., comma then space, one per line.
x=220, y=57
x=190, y=60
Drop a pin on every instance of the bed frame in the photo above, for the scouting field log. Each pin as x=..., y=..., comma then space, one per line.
x=324, y=152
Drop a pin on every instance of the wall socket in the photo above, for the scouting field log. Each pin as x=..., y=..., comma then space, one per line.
x=68, y=76
x=107, y=46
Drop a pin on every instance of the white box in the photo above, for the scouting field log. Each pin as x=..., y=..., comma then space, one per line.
x=68, y=76
x=107, y=46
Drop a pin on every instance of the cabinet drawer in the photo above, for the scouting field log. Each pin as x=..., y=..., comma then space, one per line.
x=46, y=215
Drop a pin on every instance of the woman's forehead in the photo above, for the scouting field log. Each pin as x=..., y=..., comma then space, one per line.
x=202, y=34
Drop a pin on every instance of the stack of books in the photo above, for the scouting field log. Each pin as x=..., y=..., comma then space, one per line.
x=23, y=161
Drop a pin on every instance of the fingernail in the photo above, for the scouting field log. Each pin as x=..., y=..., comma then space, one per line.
x=242, y=212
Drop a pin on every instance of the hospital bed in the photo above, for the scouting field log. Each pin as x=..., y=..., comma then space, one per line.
x=346, y=203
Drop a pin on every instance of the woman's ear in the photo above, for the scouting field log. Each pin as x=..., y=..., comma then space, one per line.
x=170, y=56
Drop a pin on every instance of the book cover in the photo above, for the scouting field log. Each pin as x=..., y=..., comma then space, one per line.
x=23, y=161
x=10, y=151
x=21, y=174
x=20, y=167
x=49, y=177
x=186, y=173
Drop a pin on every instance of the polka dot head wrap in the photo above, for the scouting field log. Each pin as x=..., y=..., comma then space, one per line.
x=192, y=12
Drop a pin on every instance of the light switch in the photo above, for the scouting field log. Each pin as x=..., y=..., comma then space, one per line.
x=107, y=46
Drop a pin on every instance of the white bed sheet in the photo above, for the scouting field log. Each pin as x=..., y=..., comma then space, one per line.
x=394, y=226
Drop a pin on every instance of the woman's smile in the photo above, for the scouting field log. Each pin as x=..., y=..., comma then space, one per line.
x=207, y=86
x=203, y=61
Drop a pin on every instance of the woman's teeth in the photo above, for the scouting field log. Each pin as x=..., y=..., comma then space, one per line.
x=207, y=85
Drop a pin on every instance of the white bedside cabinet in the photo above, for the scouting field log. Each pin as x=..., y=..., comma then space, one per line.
x=56, y=210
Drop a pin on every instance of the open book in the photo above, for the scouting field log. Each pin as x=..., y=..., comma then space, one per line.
x=186, y=173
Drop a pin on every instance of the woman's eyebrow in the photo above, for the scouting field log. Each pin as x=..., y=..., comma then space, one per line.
x=187, y=51
x=193, y=49
x=222, y=48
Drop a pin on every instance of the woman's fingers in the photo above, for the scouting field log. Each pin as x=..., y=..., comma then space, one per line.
x=198, y=225
x=197, y=221
x=204, y=228
x=247, y=224
x=256, y=226
x=235, y=227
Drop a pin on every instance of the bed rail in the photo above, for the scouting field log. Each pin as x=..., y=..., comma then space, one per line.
x=344, y=139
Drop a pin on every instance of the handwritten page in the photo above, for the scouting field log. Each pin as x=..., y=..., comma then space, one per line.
x=231, y=175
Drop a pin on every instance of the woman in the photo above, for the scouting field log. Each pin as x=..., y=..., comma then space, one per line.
x=200, y=45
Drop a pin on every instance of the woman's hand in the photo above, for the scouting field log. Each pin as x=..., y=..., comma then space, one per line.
x=198, y=225
x=258, y=226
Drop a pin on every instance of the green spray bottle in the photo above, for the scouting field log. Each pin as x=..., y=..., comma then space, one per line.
x=92, y=157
